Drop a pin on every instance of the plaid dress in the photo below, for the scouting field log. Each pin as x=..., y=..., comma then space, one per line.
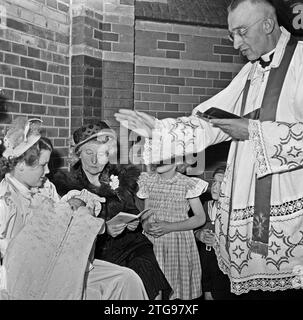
x=176, y=252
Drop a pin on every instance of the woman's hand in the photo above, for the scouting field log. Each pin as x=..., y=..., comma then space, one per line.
x=84, y=198
x=115, y=229
x=132, y=226
x=207, y=237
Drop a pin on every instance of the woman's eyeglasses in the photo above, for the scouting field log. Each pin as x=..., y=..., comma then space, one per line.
x=241, y=31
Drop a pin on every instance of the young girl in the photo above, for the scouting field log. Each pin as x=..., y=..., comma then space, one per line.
x=170, y=194
x=45, y=247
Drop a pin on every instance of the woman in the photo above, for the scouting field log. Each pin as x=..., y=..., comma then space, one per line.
x=96, y=171
x=44, y=246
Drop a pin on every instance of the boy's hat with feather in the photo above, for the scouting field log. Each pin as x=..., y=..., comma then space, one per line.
x=22, y=135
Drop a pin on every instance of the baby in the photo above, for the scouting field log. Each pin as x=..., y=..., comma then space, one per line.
x=76, y=203
x=83, y=198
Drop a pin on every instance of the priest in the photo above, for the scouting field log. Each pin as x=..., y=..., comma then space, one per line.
x=259, y=225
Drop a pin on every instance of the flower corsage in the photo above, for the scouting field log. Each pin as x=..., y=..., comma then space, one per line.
x=114, y=182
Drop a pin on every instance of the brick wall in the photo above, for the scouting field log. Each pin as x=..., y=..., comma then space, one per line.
x=86, y=90
x=118, y=62
x=183, y=57
x=202, y=12
x=117, y=88
x=164, y=57
x=102, y=61
x=34, y=65
x=104, y=31
x=86, y=72
x=114, y=60
x=37, y=61
x=179, y=66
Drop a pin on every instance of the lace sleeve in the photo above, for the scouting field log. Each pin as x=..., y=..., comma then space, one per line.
x=278, y=146
x=92, y=200
x=176, y=137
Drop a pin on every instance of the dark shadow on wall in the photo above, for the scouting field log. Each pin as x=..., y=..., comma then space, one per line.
x=3, y=109
x=3, y=119
x=56, y=163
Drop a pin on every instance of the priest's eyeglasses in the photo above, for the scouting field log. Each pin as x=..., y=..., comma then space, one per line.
x=241, y=31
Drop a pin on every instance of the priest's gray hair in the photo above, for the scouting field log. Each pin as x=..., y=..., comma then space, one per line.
x=265, y=3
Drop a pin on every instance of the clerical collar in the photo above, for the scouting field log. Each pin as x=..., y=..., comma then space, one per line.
x=278, y=52
x=265, y=59
x=266, y=56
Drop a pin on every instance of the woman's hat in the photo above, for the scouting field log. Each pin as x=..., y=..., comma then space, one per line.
x=22, y=135
x=101, y=131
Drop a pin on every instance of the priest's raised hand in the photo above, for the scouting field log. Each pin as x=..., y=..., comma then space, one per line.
x=139, y=122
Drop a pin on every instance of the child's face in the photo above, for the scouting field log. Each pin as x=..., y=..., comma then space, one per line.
x=216, y=186
x=34, y=176
x=166, y=168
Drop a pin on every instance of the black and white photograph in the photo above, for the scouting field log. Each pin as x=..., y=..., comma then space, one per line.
x=151, y=153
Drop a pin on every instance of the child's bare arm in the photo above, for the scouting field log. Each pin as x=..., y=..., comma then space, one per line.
x=198, y=211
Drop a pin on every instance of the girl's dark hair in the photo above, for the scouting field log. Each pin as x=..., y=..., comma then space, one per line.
x=220, y=169
x=30, y=156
